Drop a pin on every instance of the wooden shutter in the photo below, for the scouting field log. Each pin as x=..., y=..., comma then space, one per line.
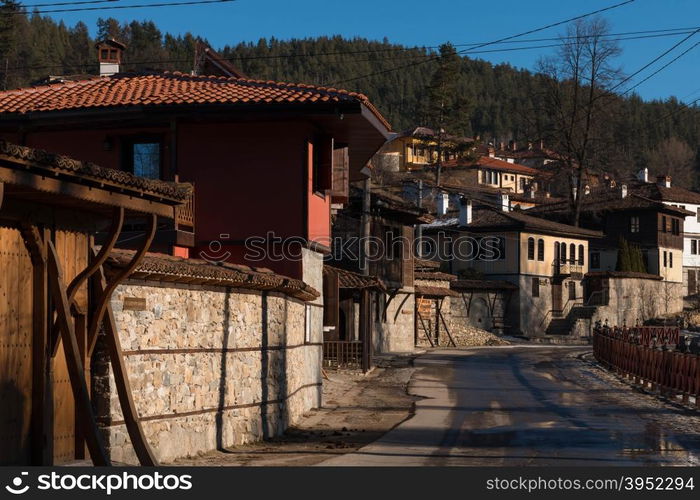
x=340, y=190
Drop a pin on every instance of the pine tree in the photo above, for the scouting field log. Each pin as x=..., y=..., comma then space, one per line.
x=624, y=258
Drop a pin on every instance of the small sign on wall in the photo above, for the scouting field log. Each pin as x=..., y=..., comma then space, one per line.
x=134, y=304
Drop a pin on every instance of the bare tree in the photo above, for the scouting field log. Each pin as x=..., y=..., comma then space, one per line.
x=675, y=158
x=578, y=98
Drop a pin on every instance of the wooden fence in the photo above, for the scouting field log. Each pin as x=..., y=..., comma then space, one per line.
x=343, y=354
x=652, y=357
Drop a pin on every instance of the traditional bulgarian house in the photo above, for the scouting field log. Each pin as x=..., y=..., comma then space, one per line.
x=545, y=260
x=417, y=148
x=348, y=319
x=253, y=150
x=654, y=227
x=663, y=191
x=380, y=245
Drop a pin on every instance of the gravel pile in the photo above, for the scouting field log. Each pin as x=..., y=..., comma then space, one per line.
x=469, y=336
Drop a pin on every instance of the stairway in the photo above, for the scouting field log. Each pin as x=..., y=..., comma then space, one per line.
x=559, y=330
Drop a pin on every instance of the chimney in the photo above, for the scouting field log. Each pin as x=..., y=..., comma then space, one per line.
x=643, y=175
x=664, y=180
x=505, y=202
x=443, y=203
x=109, y=54
x=623, y=190
x=465, y=211
x=492, y=152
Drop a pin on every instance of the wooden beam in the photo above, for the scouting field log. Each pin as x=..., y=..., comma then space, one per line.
x=398, y=309
x=388, y=301
x=104, y=298
x=447, y=330
x=82, y=277
x=41, y=420
x=438, y=304
x=425, y=329
x=87, y=193
x=73, y=360
x=121, y=379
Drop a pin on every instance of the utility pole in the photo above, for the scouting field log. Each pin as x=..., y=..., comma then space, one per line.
x=365, y=226
x=419, y=227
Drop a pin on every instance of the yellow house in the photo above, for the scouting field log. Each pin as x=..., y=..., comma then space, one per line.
x=546, y=260
x=413, y=149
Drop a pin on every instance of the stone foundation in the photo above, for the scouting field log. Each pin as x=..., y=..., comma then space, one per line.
x=209, y=367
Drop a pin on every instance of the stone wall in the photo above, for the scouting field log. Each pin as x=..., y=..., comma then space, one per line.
x=210, y=367
x=487, y=310
x=629, y=300
x=396, y=333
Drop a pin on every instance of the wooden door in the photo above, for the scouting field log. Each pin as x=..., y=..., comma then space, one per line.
x=556, y=297
x=692, y=282
x=15, y=348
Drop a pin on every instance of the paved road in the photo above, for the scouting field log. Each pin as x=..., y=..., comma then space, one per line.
x=529, y=406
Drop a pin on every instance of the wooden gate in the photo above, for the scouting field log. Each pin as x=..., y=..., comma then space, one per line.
x=15, y=348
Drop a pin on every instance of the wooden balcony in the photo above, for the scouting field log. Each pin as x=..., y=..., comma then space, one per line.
x=185, y=223
x=567, y=268
x=184, y=215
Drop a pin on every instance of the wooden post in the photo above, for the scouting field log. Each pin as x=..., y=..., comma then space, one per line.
x=364, y=328
x=121, y=379
x=93, y=266
x=103, y=300
x=437, y=321
x=81, y=337
x=73, y=360
x=42, y=398
x=415, y=320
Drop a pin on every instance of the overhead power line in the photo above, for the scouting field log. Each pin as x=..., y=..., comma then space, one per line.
x=322, y=54
x=81, y=2
x=657, y=58
x=116, y=7
x=661, y=68
x=529, y=32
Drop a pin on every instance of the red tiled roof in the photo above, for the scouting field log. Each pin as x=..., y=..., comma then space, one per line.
x=159, y=267
x=434, y=291
x=496, y=164
x=492, y=163
x=349, y=279
x=169, y=89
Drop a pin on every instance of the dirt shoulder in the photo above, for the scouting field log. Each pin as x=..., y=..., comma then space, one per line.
x=358, y=409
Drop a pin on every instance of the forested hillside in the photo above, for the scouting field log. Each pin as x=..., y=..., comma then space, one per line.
x=503, y=100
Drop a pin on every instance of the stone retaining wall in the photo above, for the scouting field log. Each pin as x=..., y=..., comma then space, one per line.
x=629, y=300
x=209, y=367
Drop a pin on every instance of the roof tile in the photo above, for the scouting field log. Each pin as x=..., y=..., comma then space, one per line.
x=168, y=89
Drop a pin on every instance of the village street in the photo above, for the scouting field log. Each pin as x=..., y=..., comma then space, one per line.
x=517, y=406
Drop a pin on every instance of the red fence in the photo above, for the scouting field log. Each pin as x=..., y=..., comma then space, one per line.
x=649, y=356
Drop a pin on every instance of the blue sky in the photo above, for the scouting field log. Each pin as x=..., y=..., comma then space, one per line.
x=421, y=23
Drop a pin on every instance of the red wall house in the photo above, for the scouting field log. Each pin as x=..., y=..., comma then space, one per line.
x=260, y=154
